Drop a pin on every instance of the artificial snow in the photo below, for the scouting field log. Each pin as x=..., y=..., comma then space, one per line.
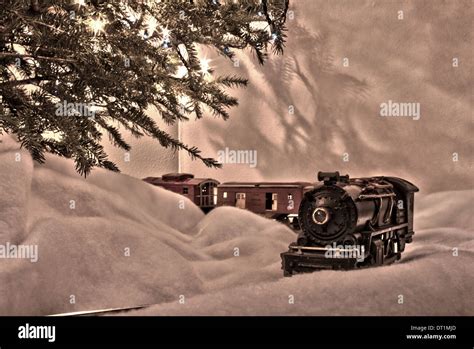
x=115, y=241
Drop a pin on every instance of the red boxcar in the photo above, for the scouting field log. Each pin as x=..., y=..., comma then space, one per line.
x=201, y=191
x=271, y=199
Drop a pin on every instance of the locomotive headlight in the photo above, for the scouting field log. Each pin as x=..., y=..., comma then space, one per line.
x=320, y=215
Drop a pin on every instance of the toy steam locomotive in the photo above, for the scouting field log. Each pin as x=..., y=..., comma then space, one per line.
x=343, y=222
x=352, y=222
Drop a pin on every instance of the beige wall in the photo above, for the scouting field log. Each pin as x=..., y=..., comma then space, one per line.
x=147, y=157
x=337, y=108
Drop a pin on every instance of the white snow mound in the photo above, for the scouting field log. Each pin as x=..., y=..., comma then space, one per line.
x=114, y=241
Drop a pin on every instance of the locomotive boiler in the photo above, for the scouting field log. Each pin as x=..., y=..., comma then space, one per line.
x=351, y=222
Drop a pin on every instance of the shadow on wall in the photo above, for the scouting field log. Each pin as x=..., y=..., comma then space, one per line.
x=307, y=99
x=305, y=111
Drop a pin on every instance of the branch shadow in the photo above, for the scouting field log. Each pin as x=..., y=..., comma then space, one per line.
x=310, y=133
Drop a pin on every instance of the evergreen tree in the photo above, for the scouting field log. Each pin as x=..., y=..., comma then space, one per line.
x=74, y=70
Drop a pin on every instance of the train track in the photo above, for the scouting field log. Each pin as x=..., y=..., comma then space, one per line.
x=99, y=312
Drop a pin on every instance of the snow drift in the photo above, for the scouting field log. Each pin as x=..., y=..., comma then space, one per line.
x=114, y=241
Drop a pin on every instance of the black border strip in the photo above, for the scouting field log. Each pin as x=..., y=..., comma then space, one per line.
x=87, y=331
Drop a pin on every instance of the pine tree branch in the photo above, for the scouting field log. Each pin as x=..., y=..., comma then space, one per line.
x=57, y=45
x=25, y=55
x=12, y=83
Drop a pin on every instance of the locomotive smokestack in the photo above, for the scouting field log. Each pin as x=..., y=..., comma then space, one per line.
x=332, y=177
